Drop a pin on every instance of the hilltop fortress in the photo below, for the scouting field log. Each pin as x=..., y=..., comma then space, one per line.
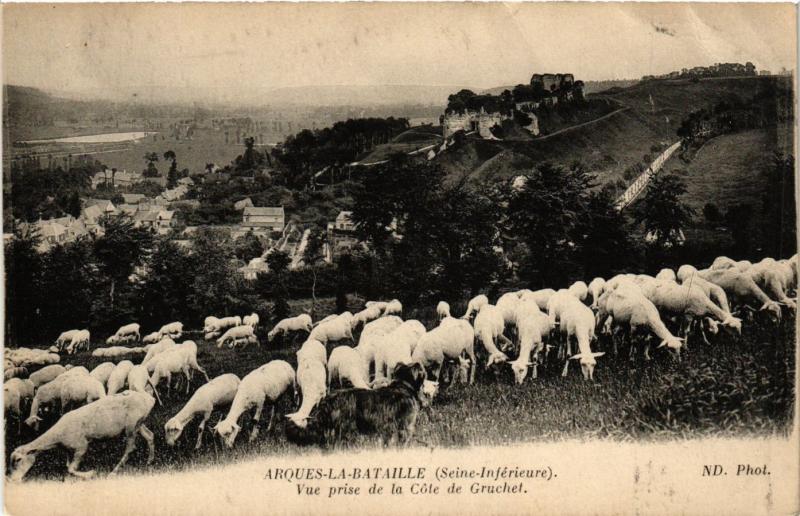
x=469, y=112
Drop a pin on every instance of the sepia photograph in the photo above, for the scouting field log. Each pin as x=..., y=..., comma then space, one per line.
x=440, y=258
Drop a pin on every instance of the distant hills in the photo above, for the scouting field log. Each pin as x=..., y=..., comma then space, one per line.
x=588, y=86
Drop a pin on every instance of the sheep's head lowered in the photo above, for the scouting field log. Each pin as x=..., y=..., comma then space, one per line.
x=588, y=362
x=172, y=431
x=22, y=461
x=520, y=369
x=674, y=344
x=733, y=323
x=228, y=431
x=496, y=358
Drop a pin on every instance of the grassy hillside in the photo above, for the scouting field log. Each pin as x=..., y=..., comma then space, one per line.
x=611, y=145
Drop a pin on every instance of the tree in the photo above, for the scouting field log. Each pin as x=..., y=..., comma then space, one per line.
x=712, y=213
x=23, y=266
x=166, y=286
x=780, y=217
x=172, y=175
x=120, y=250
x=248, y=247
x=662, y=212
x=278, y=263
x=151, y=170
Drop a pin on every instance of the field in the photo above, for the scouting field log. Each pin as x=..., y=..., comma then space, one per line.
x=734, y=387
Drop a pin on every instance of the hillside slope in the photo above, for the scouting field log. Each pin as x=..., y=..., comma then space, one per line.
x=611, y=145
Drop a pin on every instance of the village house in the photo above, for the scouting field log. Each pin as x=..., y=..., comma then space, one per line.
x=341, y=236
x=133, y=198
x=263, y=217
x=158, y=220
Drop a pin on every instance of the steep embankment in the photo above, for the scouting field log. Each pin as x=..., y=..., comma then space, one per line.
x=612, y=144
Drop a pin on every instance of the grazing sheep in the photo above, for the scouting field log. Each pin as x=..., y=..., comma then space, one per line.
x=507, y=304
x=65, y=338
x=533, y=327
x=596, y=290
x=139, y=381
x=163, y=345
x=742, y=289
x=688, y=275
x=393, y=307
x=217, y=393
x=396, y=347
x=312, y=380
x=787, y=269
x=333, y=330
x=118, y=377
x=15, y=392
x=180, y=359
x=577, y=321
x=14, y=372
x=312, y=350
x=366, y=315
x=102, y=372
x=723, y=262
x=557, y=303
x=380, y=305
x=129, y=332
x=666, y=275
x=79, y=340
x=443, y=310
x=579, y=290
x=80, y=389
x=372, y=334
x=237, y=334
x=489, y=325
x=24, y=357
x=346, y=363
x=117, y=352
x=474, y=305
x=173, y=330
x=102, y=419
x=251, y=320
x=629, y=307
x=50, y=393
x=452, y=339
x=301, y=322
x=767, y=275
x=151, y=338
x=46, y=374
x=540, y=297
x=268, y=381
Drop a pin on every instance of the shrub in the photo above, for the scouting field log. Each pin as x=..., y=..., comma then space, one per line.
x=712, y=213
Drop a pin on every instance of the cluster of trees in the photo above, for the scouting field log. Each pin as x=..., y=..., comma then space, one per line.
x=128, y=274
x=49, y=193
x=305, y=153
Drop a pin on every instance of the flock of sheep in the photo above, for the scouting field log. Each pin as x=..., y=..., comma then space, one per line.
x=116, y=397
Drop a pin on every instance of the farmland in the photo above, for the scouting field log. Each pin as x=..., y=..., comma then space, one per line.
x=735, y=386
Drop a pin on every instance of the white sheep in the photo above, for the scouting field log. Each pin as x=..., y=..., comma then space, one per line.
x=507, y=304
x=371, y=335
x=251, y=320
x=396, y=347
x=333, y=330
x=366, y=315
x=452, y=339
x=312, y=349
x=489, y=325
x=217, y=393
x=741, y=289
x=540, y=297
x=557, y=303
x=46, y=374
x=533, y=327
x=312, y=381
x=15, y=392
x=723, y=262
x=667, y=275
x=237, y=334
x=380, y=305
x=346, y=363
x=596, y=290
x=393, y=307
x=25, y=357
x=301, y=322
x=79, y=340
x=105, y=418
x=129, y=332
x=627, y=306
x=767, y=275
x=268, y=381
x=577, y=321
x=50, y=393
x=474, y=305
x=65, y=338
x=579, y=289
x=117, y=352
x=688, y=275
x=173, y=330
x=442, y=310
x=139, y=381
x=102, y=372
x=180, y=359
x=80, y=389
x=210, y=324
x=151, y=338
x=118, y=377
x=163, y=345
x=14, y=372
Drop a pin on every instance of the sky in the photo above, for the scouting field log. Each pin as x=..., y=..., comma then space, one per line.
x=189, y=51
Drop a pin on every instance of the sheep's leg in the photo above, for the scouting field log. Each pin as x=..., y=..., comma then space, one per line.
x=130, y=445
x=77, y=457
x=188, y=378
x=256, y=420
x=201, y=428
x=271, y=418
x=472, y=366
x=506, y=343
x=566, y=366
x=147, y=434
x=195, y=365
x=647, y=349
